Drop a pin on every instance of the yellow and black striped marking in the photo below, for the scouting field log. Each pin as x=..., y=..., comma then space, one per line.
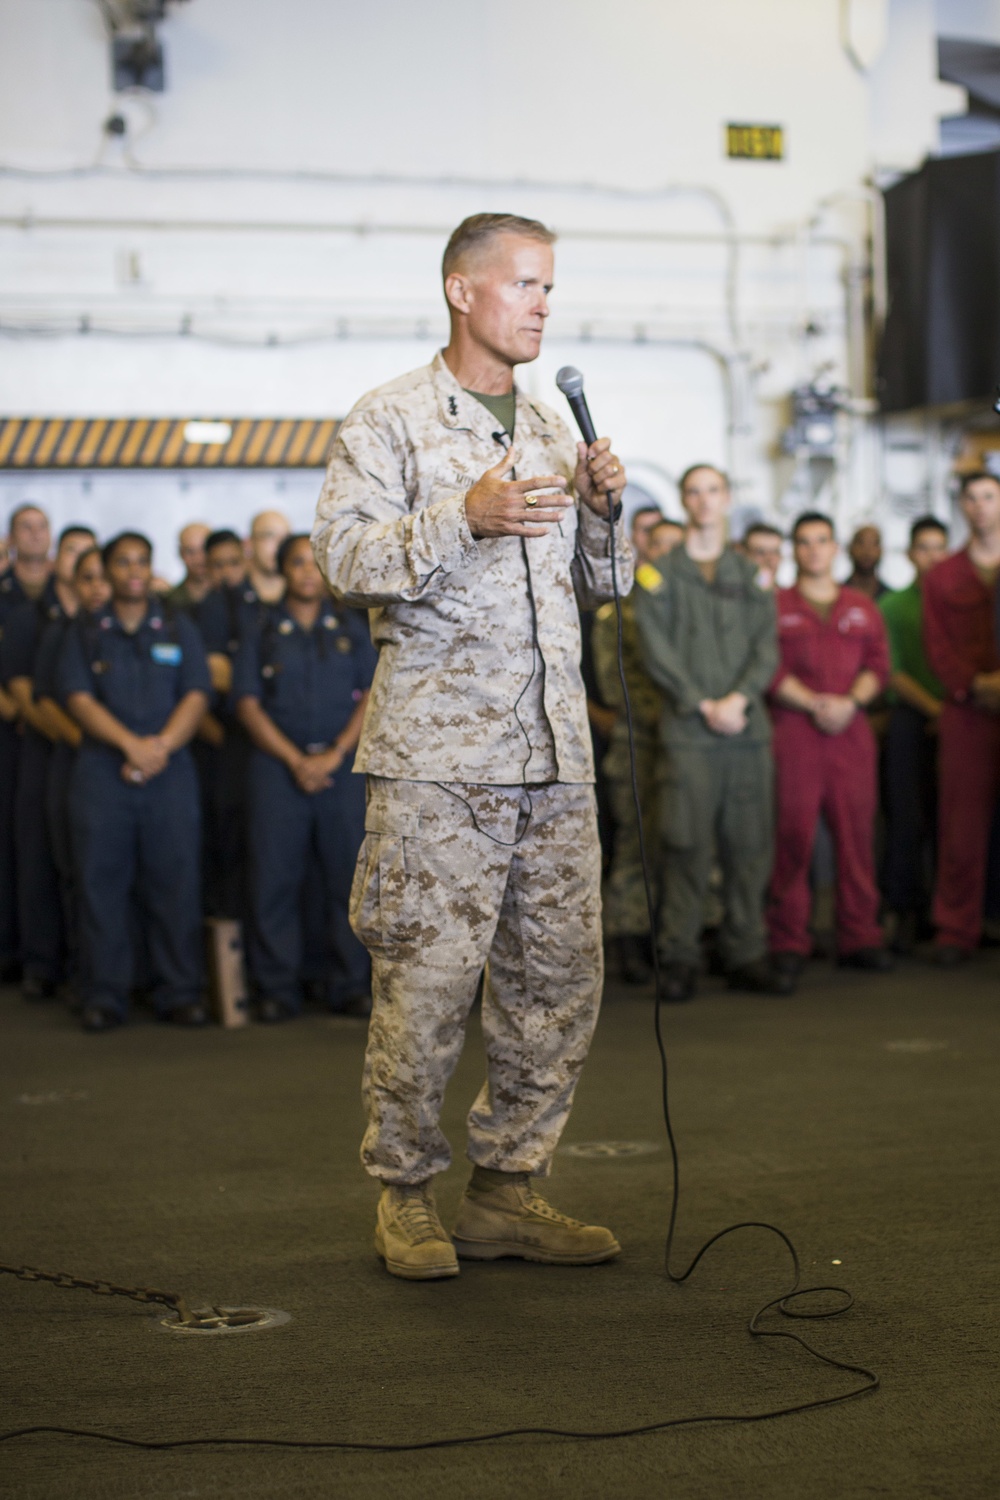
x=160, y=443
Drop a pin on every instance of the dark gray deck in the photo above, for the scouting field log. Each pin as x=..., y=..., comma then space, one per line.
x=861, y=1117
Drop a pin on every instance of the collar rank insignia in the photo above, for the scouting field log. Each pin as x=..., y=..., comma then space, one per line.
x=453, y=406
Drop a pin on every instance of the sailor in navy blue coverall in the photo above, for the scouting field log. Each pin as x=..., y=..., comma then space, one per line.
x=137, y=681
x=300, y=685
x=30, y=540
x=92, y=594
x=43, y=937
x=228, y=610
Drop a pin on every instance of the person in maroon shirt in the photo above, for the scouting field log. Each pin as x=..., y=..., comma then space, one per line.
x=834, y=661
x=958, y=622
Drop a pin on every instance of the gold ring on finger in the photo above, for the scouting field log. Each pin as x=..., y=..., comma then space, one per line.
x=531, y=501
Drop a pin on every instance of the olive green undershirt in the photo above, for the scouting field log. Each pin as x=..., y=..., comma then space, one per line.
x=502, y=407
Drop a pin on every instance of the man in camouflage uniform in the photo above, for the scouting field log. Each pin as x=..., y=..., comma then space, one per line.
x=626, y=911
x=481, y=842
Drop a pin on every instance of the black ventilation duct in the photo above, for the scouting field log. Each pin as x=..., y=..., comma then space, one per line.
x=941, y=341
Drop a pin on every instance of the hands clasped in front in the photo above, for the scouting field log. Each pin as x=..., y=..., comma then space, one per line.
x=496, y=506
x=726, y=716
x=145, y=757
x=314, y=773
x=832, y=712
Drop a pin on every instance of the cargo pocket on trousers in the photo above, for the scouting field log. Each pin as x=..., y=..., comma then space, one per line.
x=748, y=807
x=385, y=896
x=676, y=823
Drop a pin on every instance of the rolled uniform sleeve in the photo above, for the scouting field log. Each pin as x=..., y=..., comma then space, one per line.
x=591, y=565
x=371, y=546
x=193, y=676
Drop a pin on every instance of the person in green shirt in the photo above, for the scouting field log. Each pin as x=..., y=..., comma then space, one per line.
x=916, y=697
x=188, y=594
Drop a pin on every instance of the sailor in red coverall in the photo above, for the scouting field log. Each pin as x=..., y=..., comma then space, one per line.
x=834, y=661
x=961, y=648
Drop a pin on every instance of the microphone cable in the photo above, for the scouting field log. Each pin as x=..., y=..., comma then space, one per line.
x=784, y=1304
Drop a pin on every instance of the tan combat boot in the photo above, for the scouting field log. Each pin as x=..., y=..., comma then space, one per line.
x=501, y=1214
x=410, y=1237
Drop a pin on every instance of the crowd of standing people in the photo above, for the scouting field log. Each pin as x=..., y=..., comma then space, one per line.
x=168, y=753
x=175, y=753
x=771, y=723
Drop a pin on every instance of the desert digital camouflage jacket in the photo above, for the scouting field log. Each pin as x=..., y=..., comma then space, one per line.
x=478, y=678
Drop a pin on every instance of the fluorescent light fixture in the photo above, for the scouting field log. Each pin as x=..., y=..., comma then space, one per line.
x=214, y=433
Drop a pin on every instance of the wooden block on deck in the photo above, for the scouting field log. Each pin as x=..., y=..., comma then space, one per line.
x=227, y=981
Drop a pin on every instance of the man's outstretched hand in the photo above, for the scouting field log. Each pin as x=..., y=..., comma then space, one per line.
x=497, y=507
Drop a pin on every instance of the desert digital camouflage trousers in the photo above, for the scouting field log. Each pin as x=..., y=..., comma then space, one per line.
x=453, y=878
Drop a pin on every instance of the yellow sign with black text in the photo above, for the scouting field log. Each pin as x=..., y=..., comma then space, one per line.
x=755, y=142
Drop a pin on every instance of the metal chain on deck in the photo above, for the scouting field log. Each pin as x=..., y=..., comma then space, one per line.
x=210, y=1318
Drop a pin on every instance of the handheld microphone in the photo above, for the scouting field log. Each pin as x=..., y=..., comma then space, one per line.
x=570, y=382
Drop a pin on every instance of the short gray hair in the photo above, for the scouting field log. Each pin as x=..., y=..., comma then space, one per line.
x=478, y=229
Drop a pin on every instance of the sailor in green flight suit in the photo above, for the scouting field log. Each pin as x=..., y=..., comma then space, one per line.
x=708, y=637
